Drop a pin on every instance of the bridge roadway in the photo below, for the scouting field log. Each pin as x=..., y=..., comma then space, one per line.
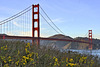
x=41, y=38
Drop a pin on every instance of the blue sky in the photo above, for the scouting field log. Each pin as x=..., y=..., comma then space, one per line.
x=73, y=17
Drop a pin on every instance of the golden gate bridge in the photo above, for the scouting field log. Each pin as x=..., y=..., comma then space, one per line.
x=31, y=15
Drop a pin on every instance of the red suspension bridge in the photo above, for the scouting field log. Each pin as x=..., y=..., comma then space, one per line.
x=29, y=19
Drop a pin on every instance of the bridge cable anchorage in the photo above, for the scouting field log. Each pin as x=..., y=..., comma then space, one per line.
x=51, y=21
x=15, y=17
x=16, y=14
x=48, y=22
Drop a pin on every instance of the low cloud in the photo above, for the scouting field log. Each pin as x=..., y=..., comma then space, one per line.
x=9, y=33
x=16, y=24
x=58, y=20
x=29, y=33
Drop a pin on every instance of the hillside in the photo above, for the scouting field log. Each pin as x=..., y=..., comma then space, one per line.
x=60, y=36
x=74, y=45
x=60, y=44
x=3, y=34
x=96, y=42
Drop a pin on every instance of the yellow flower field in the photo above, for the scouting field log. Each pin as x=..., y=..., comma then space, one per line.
x=21, y=54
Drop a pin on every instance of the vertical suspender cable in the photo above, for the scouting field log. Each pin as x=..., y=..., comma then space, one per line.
x=27, y=24
x=1, y=28
x=22, y=24
x=51, y=20
x=11, y=26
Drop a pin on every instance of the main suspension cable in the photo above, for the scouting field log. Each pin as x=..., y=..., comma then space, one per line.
x=48, y=22
x=16, y=17
x=15, y=14
x=51, y=20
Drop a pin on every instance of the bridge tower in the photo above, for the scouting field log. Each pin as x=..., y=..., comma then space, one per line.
x=90, y=39
x=35, y=23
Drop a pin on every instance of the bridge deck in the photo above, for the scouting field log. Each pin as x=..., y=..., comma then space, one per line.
x=41, y=38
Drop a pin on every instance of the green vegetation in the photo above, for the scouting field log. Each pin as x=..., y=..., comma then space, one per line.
x=21, y=54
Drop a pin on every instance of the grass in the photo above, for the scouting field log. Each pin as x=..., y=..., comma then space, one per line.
x=21, y=54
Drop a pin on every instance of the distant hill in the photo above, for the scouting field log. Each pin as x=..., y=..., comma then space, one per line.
x=96, y=42
x=60, y=36
x=60, y=44
x=74, y=45
x=3, y=34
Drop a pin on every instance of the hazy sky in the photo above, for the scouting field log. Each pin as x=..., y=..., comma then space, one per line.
x=73, y=17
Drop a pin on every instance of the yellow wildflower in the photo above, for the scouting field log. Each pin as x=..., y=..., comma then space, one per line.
x=66, y=64
x=50, y=63
x=33, y=63
x=84, y=58
x=66, y=59
x=5, y=48
x=6, y=65
x=56, y=59
x=55, y=64
x=92, y=62
x=27, y=57
x=10, y=60
x=5, y=61
x=71, y=64
x=28, y=45
x=24, y=57
x=31, y=59
x=2, y=47
x=26, y=50
x=85, y=61
x=17, y=63
x=2, y=57
x=37, y=55
x=9, y=57
x=25, y=60
x=58, y=64
x=32, y=53
x=22, y=60
x=81, y=60
x=71, y=60
x=23, y=63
